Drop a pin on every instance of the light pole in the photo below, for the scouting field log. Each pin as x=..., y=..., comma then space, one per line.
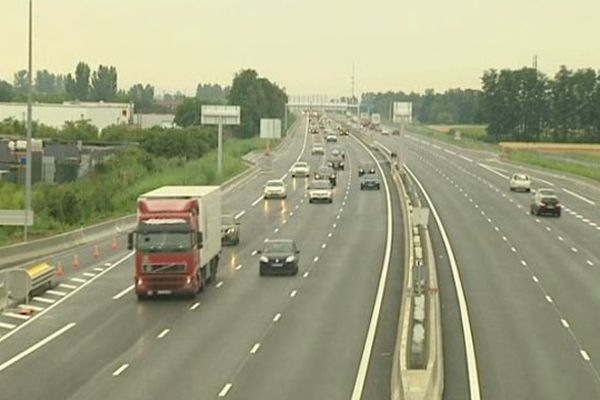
x=29, y=110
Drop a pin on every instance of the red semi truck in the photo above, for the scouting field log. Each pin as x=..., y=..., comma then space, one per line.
x=177, y=241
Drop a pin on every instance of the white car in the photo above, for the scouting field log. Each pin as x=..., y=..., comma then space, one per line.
x=385, y=131
x=275, y=189
x=317, y=149
x=520, y=181
x=300, y=169
x=320, y=190
x=331, y=138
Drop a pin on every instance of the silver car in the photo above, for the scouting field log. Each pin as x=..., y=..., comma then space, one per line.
x=320, y=190
x=300, y=169
x=275, y=189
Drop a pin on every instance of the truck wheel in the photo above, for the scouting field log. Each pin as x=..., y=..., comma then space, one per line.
x=201, y=281
x=214, y=265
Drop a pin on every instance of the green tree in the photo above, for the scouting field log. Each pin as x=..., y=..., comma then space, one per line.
x=142, y=96
x=104, y=83
x=20, y=82
x=188, y=112
x=7, y=92
x=210, y=94
x=78, y=87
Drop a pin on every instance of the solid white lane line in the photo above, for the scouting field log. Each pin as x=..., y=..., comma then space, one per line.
x=255, y=202
x=120, y=370
x=549, y=299
x=16, y=316
x=44, y=300
x=123, y=292
x=56, y=293
x=473, y=374
x=564, y=323
x=67, y=286
x=580, y=197
x=238, y=267
x=240, y=214
x=36, y=346
x=294, y=293
x=255, y=348
x=6, y=325
x=164, y=333
x=585, y=355
x=277, y=317
x=219, y=284
x=490, y=169
x=225, y=390
x=195, y=305
x=361, y=375
x=79, y=280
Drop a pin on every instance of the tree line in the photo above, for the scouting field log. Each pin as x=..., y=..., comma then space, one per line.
x=527, y=105
x=454, y=106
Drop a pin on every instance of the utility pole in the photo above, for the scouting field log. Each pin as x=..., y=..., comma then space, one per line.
x=29, y=112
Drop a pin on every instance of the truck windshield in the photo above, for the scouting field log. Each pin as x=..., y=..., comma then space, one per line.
x=164, y=241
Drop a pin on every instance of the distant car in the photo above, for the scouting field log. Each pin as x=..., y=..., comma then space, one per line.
x=325, y=173
x=317, y=149
x=336, y=162
x=396, y=132
x=279, y=256
x=314, y=130
x=300, y=169
x=320, y=190
x=542, y=203
x=338, y=151
x=385, y=131
x=370, y=181
x=230, y=230
x=520, y=182
x=331, y=138
x=366, y=168
x=275, y=189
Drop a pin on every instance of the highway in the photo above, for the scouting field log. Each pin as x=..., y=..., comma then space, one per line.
x=246, y=337
x=531, y=283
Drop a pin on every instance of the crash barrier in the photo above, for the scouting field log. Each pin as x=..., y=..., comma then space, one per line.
x=417, y=369
x=3, y=291
x=38, y=250
x=41, y=276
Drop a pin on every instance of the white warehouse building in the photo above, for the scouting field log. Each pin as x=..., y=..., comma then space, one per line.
x=99, y=114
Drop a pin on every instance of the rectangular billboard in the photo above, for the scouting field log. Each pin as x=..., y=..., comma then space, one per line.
x=402, y=111
x=270, y=128
x=223, y=115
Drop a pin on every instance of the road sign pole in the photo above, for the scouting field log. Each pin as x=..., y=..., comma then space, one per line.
x=29, y=118
x=220, y=150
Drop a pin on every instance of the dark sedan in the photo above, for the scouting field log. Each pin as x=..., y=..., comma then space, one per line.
x=280, y=256
x=370, y=181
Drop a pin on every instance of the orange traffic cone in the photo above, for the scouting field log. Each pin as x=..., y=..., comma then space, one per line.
x=60, y=272
x=96, y=252
x=113, y=244
x=76, y=263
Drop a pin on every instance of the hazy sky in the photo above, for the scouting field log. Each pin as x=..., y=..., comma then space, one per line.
x=308, y=46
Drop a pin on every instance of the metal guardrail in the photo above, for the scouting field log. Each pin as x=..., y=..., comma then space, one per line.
x=417, y=369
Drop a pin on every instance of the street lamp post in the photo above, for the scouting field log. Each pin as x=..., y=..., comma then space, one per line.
x=29, y=112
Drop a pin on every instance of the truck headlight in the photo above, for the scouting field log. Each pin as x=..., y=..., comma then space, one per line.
x=264, y=259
